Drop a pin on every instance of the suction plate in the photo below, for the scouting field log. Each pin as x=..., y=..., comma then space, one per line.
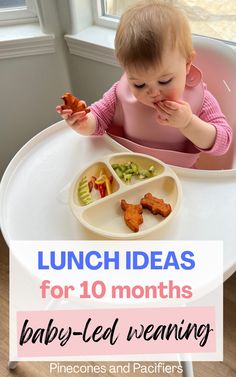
x=105, y=216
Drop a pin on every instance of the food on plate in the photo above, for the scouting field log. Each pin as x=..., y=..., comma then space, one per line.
x=155, y=205
x=130, y=169
x=102, y=183
x=132, y=215
x=95, y=188
x=73, y=103
x=83, y=191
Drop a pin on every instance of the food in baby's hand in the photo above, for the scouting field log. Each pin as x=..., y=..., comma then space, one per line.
x=74, y=104
x=84, y=192
x=132, y=215
x=130, y=169
x=155, y=205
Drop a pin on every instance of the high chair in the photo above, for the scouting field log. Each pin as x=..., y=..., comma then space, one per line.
x=217, y=61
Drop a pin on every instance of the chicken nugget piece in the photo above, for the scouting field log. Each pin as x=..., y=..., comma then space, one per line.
x=132, y=215
x=155, y=205
x=73, y=103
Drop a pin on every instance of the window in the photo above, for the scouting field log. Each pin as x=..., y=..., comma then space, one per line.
x=212, y=18
x=17, y=11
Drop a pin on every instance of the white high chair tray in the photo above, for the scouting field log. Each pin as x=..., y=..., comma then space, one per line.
x=34, y=194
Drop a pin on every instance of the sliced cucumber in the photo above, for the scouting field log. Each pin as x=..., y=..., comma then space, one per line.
x=83, y=192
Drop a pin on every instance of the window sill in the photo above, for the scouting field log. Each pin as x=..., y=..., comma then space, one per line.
x=95, y=43
x=24, y=40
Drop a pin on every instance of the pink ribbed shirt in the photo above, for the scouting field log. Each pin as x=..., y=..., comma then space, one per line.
x=209, y=111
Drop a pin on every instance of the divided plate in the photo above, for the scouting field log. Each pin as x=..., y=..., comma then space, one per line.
x=105, y=217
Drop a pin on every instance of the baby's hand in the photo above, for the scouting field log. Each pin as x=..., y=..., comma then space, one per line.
x=174, y=114
x=77, y=121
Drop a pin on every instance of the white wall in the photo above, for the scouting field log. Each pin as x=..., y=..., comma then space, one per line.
x=31, y=86
x=30, y=89
x=91, y=79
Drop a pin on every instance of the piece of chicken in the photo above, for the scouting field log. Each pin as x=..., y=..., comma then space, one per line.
x=132, y=215
x=73, y=103
x=155, y=205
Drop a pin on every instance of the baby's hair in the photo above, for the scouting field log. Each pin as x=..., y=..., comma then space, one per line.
x=146, y=29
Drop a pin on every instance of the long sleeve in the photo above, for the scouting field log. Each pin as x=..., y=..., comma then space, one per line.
x=104, y=110
x=211, y=113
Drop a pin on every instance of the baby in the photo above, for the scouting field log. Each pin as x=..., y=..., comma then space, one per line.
x=160, y=106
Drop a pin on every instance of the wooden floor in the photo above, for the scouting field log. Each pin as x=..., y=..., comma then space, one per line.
x=42, y=369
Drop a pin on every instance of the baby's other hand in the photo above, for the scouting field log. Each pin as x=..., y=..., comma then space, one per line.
x=175, y=114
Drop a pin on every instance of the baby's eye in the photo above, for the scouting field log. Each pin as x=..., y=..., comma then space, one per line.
x=139, y=86
x=165, y=82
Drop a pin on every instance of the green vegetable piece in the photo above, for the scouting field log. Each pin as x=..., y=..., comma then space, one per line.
x=119, y=173
x=152, y=171
x=134, y=167
x=127, y=177
x=115, y=166
x=148, y=174
x=143, y=174
x=129, y=171
x=83, y=191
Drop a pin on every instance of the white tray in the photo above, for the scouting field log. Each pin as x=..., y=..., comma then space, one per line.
x=35, y=189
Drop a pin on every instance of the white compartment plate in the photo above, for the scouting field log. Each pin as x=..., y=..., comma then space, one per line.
x=105, y=217
x=34, y=194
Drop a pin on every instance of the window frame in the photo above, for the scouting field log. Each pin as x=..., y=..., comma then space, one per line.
x=100, y=19
x=95, y=39
x=112, y=22
x=19, y=15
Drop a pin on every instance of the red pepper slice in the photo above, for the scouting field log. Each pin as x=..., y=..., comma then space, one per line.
x=90, y=185
x=102, y=189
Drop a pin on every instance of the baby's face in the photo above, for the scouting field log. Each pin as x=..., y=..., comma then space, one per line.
x=161, y=82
